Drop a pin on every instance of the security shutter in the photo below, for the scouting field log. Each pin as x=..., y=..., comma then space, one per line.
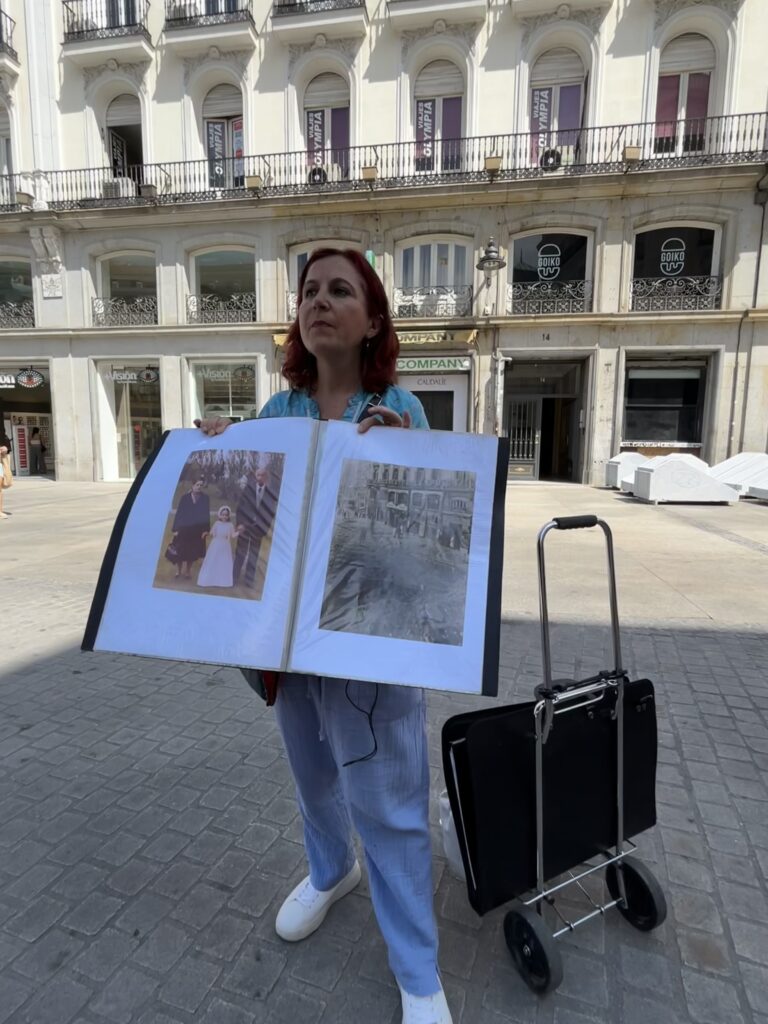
x=691, y=52
x=439, y=78
x=124, y=109
x=325, y=91
x=223, y=101
x=559, y=65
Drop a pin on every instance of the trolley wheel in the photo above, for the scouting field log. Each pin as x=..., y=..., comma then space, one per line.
x=645, y=907
x=534, y=949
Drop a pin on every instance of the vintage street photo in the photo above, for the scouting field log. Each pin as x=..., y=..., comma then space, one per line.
x=399, y=554
x=218, y=532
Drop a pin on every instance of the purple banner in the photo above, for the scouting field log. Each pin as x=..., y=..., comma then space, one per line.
x=316, y=137
x=425, y=134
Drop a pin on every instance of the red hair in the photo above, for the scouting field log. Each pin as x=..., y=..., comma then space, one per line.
x=378, y=355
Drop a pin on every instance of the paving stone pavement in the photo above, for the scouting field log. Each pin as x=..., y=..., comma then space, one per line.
x=148, y=828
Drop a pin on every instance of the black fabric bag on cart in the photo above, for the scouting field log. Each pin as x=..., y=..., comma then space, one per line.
x=489, y=762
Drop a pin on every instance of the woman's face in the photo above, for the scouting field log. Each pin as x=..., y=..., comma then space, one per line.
x=333, y=314
x=197, y=486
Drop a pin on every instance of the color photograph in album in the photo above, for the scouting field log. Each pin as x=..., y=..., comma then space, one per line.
x=219, y=528
x=399, y=555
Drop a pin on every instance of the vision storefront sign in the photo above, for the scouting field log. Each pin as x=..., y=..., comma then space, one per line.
x=149, y=375
x=28, y=378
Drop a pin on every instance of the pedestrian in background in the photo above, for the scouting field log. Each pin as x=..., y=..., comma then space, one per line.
x=6, y=477
x=36, y=453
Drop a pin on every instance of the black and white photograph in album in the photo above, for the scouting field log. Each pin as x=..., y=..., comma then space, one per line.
x=219, y=529
x=399, y=553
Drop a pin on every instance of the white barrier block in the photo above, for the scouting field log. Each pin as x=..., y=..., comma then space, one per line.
x=681, y=478
x=741, y=470
x=621, y=465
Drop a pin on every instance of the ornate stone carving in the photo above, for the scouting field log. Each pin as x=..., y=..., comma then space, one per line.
x=347, y=47
x=467, y=33
x=46, y=243
x=238, y=61
x=666, y=8
x=136, y=72
x=591, y=19
x=6, y=88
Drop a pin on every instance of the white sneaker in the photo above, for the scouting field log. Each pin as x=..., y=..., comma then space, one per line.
x=425, y=1009
x=305, y=909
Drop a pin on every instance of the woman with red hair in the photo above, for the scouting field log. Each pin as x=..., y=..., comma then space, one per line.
x=357, y=750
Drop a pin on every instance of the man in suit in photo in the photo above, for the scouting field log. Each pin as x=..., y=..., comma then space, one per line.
x=255, y=514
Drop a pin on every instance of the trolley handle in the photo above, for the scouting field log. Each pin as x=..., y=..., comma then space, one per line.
x=577, y=523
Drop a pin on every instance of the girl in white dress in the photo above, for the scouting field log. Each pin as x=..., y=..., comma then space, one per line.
x=216, y=570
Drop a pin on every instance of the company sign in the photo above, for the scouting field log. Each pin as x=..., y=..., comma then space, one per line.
x=672, y=258
x=434, y=364
x=548, y=266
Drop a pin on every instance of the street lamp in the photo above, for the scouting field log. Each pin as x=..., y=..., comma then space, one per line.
x=490, y=263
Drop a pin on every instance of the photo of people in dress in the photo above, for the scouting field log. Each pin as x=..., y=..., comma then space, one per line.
x=399, y=555
x=219, y=530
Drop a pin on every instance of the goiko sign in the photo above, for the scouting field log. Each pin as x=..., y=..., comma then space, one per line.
x=548, y=266
x=672, y=258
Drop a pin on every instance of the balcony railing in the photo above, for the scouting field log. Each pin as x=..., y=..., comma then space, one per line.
x=282, y=8
x=676, y=294
x=291, y=305
x=740, y=138
x=542, y=298
x=17, y=314
x=238, y=308
x=124, y=312
x=191, y=13
x=431, y=301
x=7, y=26
x=103, y=19
x=11, y=187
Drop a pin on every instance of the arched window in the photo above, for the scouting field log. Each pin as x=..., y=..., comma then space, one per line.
x=223, y=132
x=438, y=116
x=16, y=304
x=676, y=270
x=683, y=96
x=224, y=288
x=550, y=273
x=326, y=128
x=433, y=278
x=123, y=122
x=127, y=291
x=557, y=91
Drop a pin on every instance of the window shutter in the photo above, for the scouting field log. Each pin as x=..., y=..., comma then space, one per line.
x=559, y=65
x=223, y=101
x=326, y=90
x=691, y=52
x=440, y=78
x=124, y=109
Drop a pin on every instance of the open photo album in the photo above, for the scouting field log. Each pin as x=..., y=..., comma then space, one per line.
x=305, y=546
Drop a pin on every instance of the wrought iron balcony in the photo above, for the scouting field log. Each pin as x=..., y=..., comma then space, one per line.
x=11, y=191
x=285, y=8
x=104, y=19
x=432, y=301
x=238, y=308
x=543, y=298
x=7, y=26
x=676, y=294
x=192, y=13
x=735, y=139
x=124, y=312
x=300, y=21
x=17, y=314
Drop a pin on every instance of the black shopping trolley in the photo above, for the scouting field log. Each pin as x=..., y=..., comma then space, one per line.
x=541, y=799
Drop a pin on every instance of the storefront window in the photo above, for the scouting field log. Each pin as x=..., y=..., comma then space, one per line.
x=132, y=395
x=664, y=405
x=225, y=286
x=225, y=389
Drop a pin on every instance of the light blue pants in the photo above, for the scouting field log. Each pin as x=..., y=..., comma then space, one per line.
x=386, y=799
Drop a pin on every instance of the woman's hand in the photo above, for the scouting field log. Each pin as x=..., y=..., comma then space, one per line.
x=214, y=426
x=383, y=417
